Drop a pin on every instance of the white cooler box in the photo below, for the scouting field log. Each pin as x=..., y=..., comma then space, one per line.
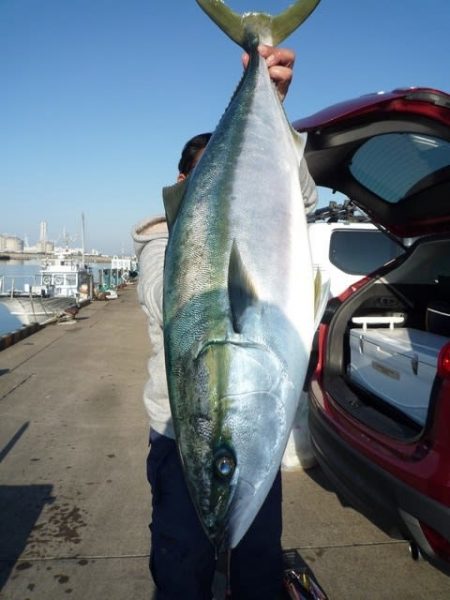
x=397, y=365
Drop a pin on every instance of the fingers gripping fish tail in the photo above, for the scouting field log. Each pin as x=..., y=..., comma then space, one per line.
x=248, y=28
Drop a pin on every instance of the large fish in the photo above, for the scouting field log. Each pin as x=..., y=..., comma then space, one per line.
x=238, y=292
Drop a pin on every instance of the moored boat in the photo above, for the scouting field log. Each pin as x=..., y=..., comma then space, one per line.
x=66, y=277
x=64, y=283
x=31, y=309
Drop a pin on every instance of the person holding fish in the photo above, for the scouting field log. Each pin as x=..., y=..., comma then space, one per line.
x=213, y=492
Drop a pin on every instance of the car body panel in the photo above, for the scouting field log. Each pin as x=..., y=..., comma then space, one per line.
x=361, y=480
x=348, y=138
x=332, y=253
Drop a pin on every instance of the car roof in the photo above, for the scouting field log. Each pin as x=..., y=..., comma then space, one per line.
x=390, y=154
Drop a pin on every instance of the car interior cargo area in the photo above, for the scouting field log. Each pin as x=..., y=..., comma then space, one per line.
x=385, y=341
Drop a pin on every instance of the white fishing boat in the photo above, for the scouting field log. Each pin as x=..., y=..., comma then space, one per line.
x=66, y=276
x=63, y=285
x=125, y=267
x=29, y=309
x=122, y=271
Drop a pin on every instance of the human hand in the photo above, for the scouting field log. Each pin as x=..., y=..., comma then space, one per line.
x=280, y=62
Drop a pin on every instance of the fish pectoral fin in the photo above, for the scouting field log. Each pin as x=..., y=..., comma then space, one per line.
x=241, y=291
x=172, y=198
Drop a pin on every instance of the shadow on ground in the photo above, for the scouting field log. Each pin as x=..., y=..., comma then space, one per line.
x=20, y=507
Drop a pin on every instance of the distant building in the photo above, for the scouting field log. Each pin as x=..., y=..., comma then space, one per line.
x=41, y=248
x=47, y=247
x=43, y=232
x=44, y=246
x=10, y=243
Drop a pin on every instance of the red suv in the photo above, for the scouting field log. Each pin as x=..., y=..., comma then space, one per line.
x=380, y=392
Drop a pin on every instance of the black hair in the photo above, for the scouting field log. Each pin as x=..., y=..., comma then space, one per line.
x=190, y=151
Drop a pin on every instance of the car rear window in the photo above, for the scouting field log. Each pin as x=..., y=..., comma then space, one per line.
x=403, y=159
x=359, y=252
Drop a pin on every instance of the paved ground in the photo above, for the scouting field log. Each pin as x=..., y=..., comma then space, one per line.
x=74, y=503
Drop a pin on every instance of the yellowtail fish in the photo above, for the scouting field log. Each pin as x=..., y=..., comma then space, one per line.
x=239, y=291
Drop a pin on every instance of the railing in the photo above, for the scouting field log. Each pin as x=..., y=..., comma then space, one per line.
x=18, y=284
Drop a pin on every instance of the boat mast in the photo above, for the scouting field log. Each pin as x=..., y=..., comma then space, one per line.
x=82, y=235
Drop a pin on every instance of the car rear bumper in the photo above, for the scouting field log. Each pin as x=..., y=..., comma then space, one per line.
x=388, y=502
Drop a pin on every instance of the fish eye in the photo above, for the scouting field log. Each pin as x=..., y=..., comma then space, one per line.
x=224, y=466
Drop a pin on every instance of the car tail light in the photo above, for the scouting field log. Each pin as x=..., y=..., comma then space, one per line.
x=321, y=346
x=444, y=362
x=439, y=544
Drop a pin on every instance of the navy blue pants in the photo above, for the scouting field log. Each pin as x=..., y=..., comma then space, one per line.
x=182, y=560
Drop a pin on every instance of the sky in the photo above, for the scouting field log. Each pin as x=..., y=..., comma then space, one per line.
x=97, y=97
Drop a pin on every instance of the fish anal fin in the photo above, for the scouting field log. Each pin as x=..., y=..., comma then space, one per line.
x=241, y=291
x=173, y=197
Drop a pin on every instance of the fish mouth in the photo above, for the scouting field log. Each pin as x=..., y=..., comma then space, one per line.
x=240, y=518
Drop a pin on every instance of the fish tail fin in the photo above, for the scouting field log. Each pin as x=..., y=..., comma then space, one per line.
x=229, y=21
x=252, y=28
x=289, y=20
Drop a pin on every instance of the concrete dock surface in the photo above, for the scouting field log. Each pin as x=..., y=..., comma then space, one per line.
x=74, y=500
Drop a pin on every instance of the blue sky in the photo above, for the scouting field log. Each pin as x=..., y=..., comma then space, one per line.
x=98, y=96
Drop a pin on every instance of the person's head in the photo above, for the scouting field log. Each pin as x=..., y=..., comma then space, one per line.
x=192, y=151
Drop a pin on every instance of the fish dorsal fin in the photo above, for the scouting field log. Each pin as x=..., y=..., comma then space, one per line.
x=247, y=28
x=299, y=140
x=172, y=197
x=241, y=292
x=317, y=290
x=321, y=295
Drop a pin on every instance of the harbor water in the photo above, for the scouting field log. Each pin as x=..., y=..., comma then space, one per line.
x=15, y=273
